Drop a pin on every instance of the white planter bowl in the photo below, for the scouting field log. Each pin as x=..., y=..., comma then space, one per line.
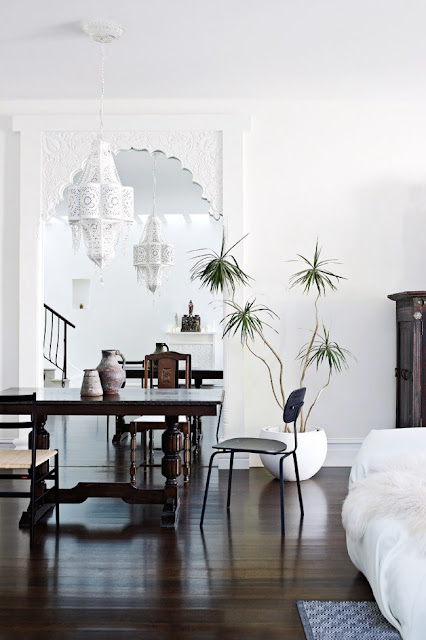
x=311, y=452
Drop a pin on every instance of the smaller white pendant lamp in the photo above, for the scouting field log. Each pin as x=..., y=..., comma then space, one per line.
x=99, y=208
x=153, y=257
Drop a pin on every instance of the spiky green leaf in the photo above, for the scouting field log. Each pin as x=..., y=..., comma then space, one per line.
x=314, y=275
x=218, y=271
x=245, y=320
x=324, y=350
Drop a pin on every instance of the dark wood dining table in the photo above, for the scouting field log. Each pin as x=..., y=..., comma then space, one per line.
x=135, y=369
x=134, y=401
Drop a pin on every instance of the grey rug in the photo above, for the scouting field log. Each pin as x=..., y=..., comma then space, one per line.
x=344, y=621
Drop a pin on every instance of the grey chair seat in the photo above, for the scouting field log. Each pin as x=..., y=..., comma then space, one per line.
x=252, y=445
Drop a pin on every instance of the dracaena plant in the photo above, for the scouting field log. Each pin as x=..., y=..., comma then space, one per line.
x=222, y=272
x=218, y=271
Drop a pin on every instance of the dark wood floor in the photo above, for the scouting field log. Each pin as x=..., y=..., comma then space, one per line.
x=111, y=572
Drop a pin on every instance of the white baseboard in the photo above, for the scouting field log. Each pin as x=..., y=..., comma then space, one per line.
x=21, y=442
x=7, y=443
x=241, y=461
x=341, y=453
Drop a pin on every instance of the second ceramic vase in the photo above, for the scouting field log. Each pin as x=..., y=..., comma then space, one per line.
x=111, y=372
x=91, y=386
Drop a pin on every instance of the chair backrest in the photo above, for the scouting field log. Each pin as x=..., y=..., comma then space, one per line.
x=31, y=400
x=9, y=400
x=167, y=369
x=293, y=406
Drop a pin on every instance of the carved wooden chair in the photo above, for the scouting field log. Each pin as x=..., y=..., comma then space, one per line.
x=164, y=367
x=34, y=461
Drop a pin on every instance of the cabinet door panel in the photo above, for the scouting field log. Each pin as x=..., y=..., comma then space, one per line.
x=405, y=374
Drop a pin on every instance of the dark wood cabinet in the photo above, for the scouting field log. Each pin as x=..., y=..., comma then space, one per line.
x=410, y=371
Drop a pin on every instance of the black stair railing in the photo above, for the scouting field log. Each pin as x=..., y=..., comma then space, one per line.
x=55, y=339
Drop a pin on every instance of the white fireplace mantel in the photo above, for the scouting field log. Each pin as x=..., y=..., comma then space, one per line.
x=199, y=344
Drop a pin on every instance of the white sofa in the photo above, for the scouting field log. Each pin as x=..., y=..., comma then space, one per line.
x=387, y=554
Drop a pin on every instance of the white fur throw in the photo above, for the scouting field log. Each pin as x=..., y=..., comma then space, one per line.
x=396, y=489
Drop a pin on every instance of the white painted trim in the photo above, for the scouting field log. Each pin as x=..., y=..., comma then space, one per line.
x=241, y=461
x=21, y=442
x=30, y=372
x=342, y=451
x=117, y=122
x=7, y=443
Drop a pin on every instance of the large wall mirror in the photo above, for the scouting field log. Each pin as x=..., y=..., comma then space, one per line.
x=120, y=313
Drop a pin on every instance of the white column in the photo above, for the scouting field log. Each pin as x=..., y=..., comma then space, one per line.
x=30, y=263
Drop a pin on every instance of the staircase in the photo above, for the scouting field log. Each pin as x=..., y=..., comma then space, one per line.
x=55, y=347
x=51, y=379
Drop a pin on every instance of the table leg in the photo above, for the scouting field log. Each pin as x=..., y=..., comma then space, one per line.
x=121, y=430
x=199, y=430
x=171, y=468
x=43, y=442
x=196, y=433
x=186, y=450
x=133, y=432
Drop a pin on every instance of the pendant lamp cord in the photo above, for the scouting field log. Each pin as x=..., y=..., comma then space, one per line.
x=154, y=183
x=102, y=85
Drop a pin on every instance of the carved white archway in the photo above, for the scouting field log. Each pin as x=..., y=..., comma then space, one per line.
x=54, y=148
x=64, y=153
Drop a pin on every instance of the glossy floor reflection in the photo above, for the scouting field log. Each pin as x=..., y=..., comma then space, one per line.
x=112, y=571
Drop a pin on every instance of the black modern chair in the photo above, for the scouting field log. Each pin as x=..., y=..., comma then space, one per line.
x=265, y=446
x=34, y=461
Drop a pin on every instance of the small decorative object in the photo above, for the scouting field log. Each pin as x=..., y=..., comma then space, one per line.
x=153, y=256
x=176, y=322
x=190, y=322
x=111, y=372
x=99, y=207
x=91, y=383
x=160, y=347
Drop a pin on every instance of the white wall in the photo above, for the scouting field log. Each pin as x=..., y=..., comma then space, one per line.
x=122, y=314
x=353, y=174
x=9, y=237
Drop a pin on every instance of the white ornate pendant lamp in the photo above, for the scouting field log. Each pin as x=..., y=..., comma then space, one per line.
x=99, y=208
x=153, y=257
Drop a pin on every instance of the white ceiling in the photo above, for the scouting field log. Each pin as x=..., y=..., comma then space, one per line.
x=216, y=49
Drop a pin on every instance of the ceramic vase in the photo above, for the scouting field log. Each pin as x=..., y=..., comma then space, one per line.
x=111, y=372
x=160, y=347
x=91, y=383
x=311, y=452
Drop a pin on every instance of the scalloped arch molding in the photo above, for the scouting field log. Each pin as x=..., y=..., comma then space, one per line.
x=64, y=153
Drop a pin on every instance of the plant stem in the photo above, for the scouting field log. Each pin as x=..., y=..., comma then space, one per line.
x=317, y=396
x=281, y=368
x=270, y=374
x=305, y=363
